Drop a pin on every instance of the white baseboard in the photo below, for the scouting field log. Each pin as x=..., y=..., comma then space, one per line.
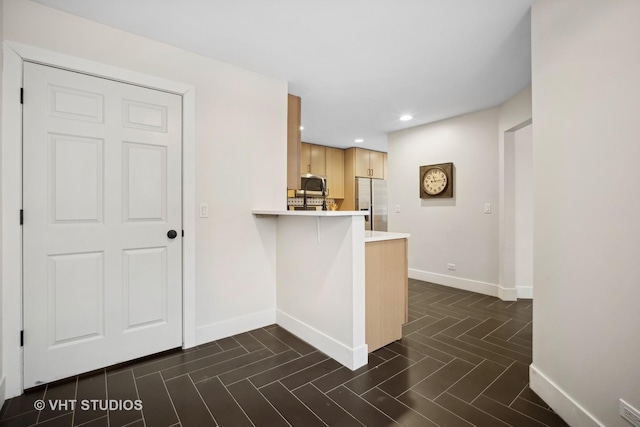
x=525, y=292
x=2, y=392
x=238, y=325
x=567, y=408
x=352, y=358
x=507, y=294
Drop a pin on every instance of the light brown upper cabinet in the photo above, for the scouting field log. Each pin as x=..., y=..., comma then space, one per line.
x=294, y=121
x=335, y=172
x=359, y=162
x=369, y=164
x=312, y=159
x=376, y=161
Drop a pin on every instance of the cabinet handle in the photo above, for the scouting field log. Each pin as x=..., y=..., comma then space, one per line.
x=308, y=168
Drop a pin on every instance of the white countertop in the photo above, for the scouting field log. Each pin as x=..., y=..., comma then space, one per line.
x=309, y=213
x=376, y=236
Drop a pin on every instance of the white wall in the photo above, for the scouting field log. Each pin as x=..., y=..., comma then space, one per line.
x=452, y=230
x=240, y=126
x=586, y=101
x=523, y=210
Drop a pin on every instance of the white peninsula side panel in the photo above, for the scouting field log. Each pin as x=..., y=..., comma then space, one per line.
x=320, y=282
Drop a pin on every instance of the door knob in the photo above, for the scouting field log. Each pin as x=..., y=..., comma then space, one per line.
x=172, y=234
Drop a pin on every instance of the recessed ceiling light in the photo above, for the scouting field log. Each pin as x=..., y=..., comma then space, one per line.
x=301, y=127
x=359, y=140
x=406, y=118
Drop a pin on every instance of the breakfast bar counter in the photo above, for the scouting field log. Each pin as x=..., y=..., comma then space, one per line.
x=326, y=293
x=320, y=280
x=313, y=213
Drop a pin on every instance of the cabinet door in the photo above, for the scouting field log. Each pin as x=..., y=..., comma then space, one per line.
x=362, y=163
x=335, y=172
x=385, y=291
x=318, y=160
x=373, y=296
x=376, y=164
x=393, y=274
x=305, y=158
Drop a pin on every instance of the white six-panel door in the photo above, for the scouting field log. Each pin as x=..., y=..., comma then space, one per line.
x=101, y=190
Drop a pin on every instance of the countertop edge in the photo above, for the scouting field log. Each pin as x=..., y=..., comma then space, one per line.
x=378, y=236
x=259, y=212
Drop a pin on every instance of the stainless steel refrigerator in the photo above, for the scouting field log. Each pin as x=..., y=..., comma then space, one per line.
x=371, y=195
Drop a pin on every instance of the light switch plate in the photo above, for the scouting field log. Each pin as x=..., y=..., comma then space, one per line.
x=487, y=208
x=204, y=210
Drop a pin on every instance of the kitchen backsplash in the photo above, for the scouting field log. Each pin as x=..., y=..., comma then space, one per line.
x=311, y=201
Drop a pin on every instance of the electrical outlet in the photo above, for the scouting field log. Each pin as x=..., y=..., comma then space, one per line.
x=204, y=210
x=629, y=413
x=397, y=208
x=451, y=266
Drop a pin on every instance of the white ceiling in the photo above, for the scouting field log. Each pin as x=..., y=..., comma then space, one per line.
x=357, y=64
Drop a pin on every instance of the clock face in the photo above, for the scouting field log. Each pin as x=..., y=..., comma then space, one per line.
x=434, y=181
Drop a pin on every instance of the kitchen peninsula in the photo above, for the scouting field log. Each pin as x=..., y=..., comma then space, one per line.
x=321, y=277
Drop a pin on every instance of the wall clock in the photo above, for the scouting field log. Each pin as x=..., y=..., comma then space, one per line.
x=436, y=181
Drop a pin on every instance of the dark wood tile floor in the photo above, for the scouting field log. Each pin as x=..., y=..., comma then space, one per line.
x=463, y=361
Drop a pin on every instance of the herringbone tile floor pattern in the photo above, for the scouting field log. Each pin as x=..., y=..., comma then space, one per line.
x=463, y=361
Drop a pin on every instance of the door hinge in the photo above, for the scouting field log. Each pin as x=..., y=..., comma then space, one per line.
x=21, y=338
x=182, y=233
x=21, y=217
x=21, y=95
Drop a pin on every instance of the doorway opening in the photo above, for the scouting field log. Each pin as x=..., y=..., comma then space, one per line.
x=517, y=256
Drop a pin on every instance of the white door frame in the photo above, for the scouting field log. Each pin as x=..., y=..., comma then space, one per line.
x=14, y=54
x=507, y=290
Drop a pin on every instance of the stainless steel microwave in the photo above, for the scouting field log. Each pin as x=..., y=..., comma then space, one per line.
x=314, y=186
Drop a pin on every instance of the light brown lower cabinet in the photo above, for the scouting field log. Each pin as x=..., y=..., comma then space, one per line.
x=386, y=290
